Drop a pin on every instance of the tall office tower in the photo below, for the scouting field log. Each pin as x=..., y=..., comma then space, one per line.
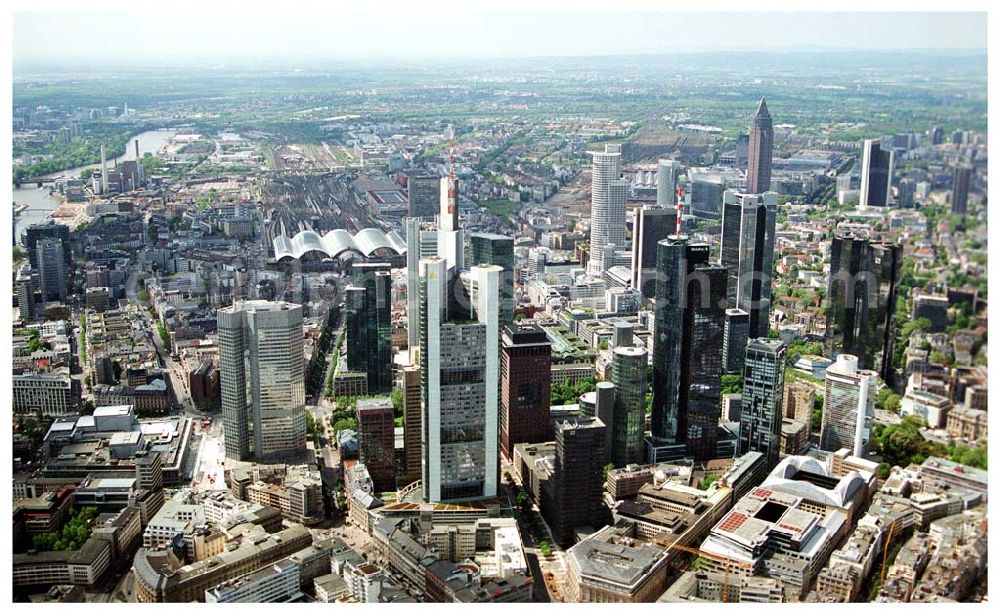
x=607, y=205
x=763, y=385
x=848, y=406
x=579, y=477
x=263, y=380
x=666, y=182
x=423, y=196
x=937, y=135
x=736, y=333
x=525, y=387
x=450, y=240
x=377, y=441
x=957, y=137
x=493, y=249
x=104, y=172
x=459, y=387
x=369, y=329
x=48, y=229
x=652, y=224
x=421, y=242
x=876, y=173
x=760, y=151
x=687, y=358
x=861, y=301
x=600, y=403
x=52, y=275
x=961, y=179
x=410, y=385
x=628, y=373
x=25, y=294
x=907, y=189
x=748, y=223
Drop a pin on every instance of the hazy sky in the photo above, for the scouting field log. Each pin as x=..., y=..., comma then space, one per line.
x=48, y=37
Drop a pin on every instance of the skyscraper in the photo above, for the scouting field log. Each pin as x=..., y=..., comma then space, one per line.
x=421, y=242
x=52, y=275
x=600, y=403
x=412, y=422
x=423, y=196
x=377, y=441
x=628, y=373
x=369, y=329
x=652, y=224
x=687, y=354
x=962, y=177
x=760, y=151
x=736, y=333
x=494, y=249
x=861, y=301
x=49, y=229
x=578, y=476
x=459, y=386
x=262, y=378
x=876, y=173
x=748, y=223
x=763, y=386
x=848, y=406
x=607, y=205
x=666, y=182
x=526, y=384
x=450, y=244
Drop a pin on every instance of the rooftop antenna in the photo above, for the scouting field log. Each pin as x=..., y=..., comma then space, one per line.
x=680, y=207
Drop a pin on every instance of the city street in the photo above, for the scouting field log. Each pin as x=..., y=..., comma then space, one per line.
x=209, y=471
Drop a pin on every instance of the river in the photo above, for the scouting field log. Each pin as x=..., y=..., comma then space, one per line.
x=41, y=204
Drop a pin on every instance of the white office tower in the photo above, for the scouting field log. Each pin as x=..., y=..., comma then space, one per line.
x=666, y=181
x=848, y=406
x=459, y=386
x=607, y=205
x=104, y=172
x=263, y=380
x=421, y=242
x=450, y=245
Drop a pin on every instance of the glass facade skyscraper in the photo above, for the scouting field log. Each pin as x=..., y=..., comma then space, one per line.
x=763, y=386
x=628, y=373
x=861, y=301
x=368, y=307
x=494, y=249
x=687, y=351
x=459, y=386
x=748, y=227
x=262, y=370
x=876, y=174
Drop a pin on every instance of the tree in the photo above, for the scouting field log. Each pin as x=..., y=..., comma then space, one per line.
x=707, y=482
x=732, y=384
x=523, y=500
x=887, y=399
x=817, y=420
x=607, y=469
x=545, y=548
x=87, y=406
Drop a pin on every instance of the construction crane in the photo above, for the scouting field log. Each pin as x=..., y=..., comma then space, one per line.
x=727, y=561
x=885, y=552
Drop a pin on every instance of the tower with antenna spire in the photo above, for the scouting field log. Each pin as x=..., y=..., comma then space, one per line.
x=760, y=151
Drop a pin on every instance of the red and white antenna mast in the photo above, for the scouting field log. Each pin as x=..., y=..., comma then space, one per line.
x=680, y=207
